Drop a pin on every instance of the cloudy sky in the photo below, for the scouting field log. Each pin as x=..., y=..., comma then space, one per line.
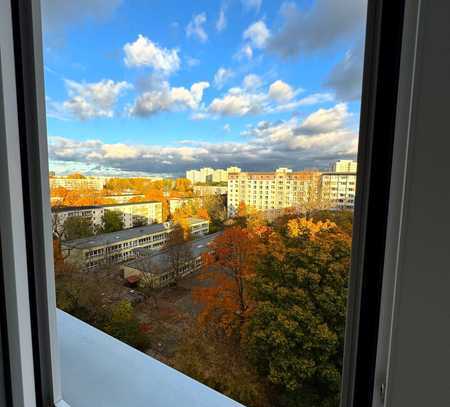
x=161, y=86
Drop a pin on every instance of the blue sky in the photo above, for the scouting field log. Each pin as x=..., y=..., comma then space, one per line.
x=163, y=86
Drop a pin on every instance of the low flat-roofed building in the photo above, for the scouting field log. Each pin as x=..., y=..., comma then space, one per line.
x=111, y=248
x=143, y=212
x=154, y=270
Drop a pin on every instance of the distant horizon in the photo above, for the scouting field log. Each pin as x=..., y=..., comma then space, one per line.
x=183, y=175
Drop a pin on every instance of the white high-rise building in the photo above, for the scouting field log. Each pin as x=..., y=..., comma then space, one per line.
x=272, y=190
x=344, y=166
x=209, y=175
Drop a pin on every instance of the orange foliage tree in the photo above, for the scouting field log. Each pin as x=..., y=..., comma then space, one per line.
x=229, y=266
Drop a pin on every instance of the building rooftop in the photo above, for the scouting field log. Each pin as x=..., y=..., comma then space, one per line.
x=123, y=235
x=155, y=261
x=84, y=207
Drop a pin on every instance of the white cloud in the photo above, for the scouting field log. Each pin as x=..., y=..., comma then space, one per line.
x=238, y=103
x=222, y=76
x=257, y=34
x=91, y=100
x=326, y=120
x=281, y=91
x=227, y=128
x=191, y=62
x=252, y=4
x=323, y=136
x=251, y=82
x=168, y=99
x=195, y=27
x=221, y=23
x=246, y=52
x=144, y=52
x=251, y=99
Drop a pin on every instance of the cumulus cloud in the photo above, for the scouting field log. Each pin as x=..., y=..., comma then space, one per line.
x=222, y=76
x=167, y=98
x=346, y=76
x=144, y=52
x=252, y=82
x=221, y=23
x=195, y=28
x=238, y=103
x=90, y=100
x=321, y=137
x=252, y=4
x=257, y=34
x=319, y=27
x=281, y=91
x=250, y=99
x=245, y=52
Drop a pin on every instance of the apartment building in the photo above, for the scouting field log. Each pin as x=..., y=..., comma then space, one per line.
x=112, y=248
x=143, y=212
x=206, y=190
x=209, y=175
x=338, y=189
x=272, y=190
x=67, y=182
x=344, y=166
x=152, y=268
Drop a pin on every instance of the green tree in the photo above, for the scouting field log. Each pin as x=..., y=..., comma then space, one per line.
x=296, y=334
x=124, y=325
x=112, y=221
x=77, y=227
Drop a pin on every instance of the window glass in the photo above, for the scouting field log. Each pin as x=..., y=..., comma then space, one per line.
x=202, y=183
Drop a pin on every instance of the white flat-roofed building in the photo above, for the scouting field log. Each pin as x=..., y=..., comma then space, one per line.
x=153, y=268
x=344, y=166
x=268, y=191
x=209, y=175
x=112, y=248
x=143, y=212
x=72, y=183
x=338, y=189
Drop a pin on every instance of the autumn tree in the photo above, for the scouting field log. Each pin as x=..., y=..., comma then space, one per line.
x=296, y=333
x=217, y=211
x=230, y=265
x=112, y=221
x=77, y=227
x=178, y=252
x=183, y=185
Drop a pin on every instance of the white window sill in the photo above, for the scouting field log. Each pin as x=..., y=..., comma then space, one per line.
x=98, y=370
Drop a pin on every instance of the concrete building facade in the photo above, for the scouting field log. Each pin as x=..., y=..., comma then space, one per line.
x=97, y=183
x=268, y=191
x=209, y=175
x=344, y=166
x=145, y=212
x=153, y=268
x=112, y=248
x=338, y=189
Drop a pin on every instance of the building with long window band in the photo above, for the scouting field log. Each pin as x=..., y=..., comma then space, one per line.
x=112, y=248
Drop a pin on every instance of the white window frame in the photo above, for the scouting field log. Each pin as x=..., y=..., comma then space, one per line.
x=13, y=228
